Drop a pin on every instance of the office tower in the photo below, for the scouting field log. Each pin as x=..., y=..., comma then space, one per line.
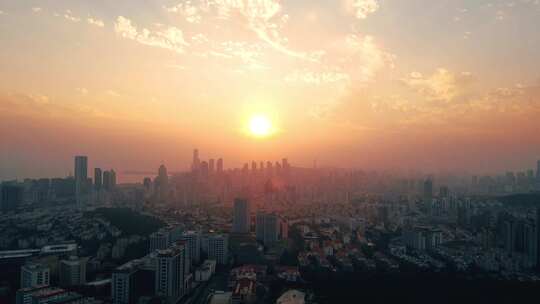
x=220, y=166
x=218, y=248
x=538, y=171
x=33, y=275
x=98, y=178
x=241, y=216
x=123, y=284
x=444, y=191
x=113, y=179
x=193, y=240
x=204, y=169
x=160, y=240
x=270, y=228
x=72, y=272
x=81, y=168
x=253, y=166
x=161, y=183
x=428, y=189
x=211, y=166
x=170, y=275
x=12, y=197
x=81, y=176
x=147, y=183
x=107, y=180
x=196, y=161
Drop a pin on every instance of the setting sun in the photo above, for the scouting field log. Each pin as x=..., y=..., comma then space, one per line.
x=260, y=126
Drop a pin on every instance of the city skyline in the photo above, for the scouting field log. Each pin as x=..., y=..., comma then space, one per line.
x=137, y=85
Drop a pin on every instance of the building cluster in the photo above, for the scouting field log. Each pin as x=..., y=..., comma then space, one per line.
x=79, y=188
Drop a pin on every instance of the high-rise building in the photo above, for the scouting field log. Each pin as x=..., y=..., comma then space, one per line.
x=170, y=275
x=204, y=168
x=219, y=166
x=81, y=176
x=109, y=180
x=193, y=240
x=241, y=216
x=162, y=183
x=72, y=272
x=218, y=248
x=12, y=197
x=160, y=240
x=33, y=275
x=211, y=166
x=98, y=178
x=81, y=168
x=123, y=284
x=270, y=228
x=538, y=171
x=196, y=160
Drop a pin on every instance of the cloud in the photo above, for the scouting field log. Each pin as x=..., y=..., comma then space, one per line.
x=171, y=38
x=190, y=12
x=36, y=9
x=2, y=12
x=443, y=85
x=69, y=16
x=317, y=78
x=366, y=58
x=113, y=93
x=363, y=8
x=96, y=22
x=82, y=91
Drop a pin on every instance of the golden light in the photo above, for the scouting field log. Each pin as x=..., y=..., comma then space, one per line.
x=260, y=126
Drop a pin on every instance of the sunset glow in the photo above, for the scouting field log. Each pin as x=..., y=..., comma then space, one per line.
x=340, y=81
x=260, y=126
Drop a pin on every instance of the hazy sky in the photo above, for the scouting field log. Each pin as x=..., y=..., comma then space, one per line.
x=378, y=84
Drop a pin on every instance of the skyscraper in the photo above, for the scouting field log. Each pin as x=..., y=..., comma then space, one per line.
x=218, y=248
x=538, y=171
x=267, y=227
x=241, y=216
x=81, y=168
x=81, y=176
x=72, y=271
x=109, y=180
x=98, y=178
x=12, y=197
x=193, y=240
x=33, y=275
x=219, y=166
x=170, y=275
x=196, y=160
x=211, y=166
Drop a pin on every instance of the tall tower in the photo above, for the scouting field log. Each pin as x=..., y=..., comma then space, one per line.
x=170, y=275
x=81, y=176
x=538, y=171
x=98, y=178
x=219, y=166
x=241, y=216
x=196, y=160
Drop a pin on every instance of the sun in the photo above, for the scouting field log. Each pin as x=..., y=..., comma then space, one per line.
x=260, y=126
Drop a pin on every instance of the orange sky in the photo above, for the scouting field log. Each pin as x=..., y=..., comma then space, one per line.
x=355, y=83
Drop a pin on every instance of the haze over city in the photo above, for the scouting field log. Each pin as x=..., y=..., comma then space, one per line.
x=269, y=151
x=407, y=85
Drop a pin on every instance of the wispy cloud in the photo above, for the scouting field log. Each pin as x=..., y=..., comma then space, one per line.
x=96, y=22
x=363, y=8
x=171, y=38
x=443, y=85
